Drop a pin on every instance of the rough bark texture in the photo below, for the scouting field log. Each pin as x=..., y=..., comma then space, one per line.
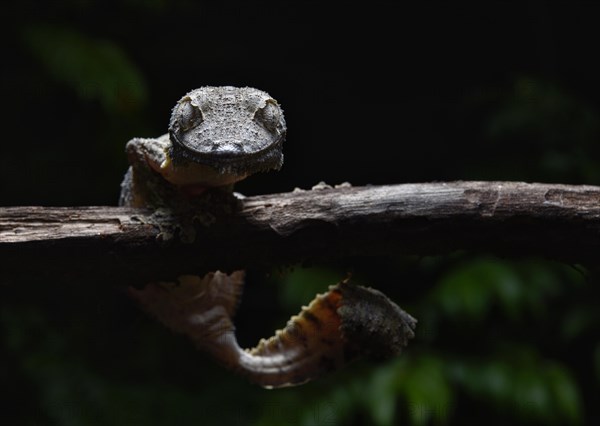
x=123, y=245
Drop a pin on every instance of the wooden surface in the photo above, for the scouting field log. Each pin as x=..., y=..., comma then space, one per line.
x=121, y=244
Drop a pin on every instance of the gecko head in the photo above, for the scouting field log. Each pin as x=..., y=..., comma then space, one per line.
x=233, y=131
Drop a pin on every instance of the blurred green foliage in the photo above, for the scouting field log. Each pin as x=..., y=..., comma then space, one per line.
x=566, y=129
x=537, y=130
x=505, y=374
x=490, y=336
x=98, y=70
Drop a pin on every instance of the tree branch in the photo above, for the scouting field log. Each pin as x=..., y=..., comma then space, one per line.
x=123, y=244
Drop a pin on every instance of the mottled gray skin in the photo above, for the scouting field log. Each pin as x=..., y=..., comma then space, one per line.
x=228, y=128
x=217, y=136
x=375, y=325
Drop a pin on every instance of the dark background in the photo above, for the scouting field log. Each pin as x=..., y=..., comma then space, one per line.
x=374, y=93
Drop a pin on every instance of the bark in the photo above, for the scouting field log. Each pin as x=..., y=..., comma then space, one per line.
x=125, y=245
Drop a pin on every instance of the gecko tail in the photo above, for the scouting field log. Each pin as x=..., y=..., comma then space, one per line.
x=337, y=327
x=199, y=307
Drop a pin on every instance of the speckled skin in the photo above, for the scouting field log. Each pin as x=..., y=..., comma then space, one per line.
x=233, y=130
x=218, y=136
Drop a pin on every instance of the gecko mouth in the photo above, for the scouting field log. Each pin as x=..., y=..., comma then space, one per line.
x=227, y=156
x=195, y=177
x=238, y=131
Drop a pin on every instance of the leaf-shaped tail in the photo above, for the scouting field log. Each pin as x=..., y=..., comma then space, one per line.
x=337, y=327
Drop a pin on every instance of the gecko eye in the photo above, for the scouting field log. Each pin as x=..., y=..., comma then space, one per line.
x=190, y=116
x=269, y=116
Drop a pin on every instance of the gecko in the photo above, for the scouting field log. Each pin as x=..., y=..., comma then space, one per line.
x=216, y=137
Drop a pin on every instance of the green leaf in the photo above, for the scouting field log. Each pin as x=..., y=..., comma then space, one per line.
x=95, y=69
x=470, y=290
x=381, y=394
x=565, y=394
x=299, y=286
x=474, y=288
x=428, y=394
x=531, y=396
x=522, y=385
